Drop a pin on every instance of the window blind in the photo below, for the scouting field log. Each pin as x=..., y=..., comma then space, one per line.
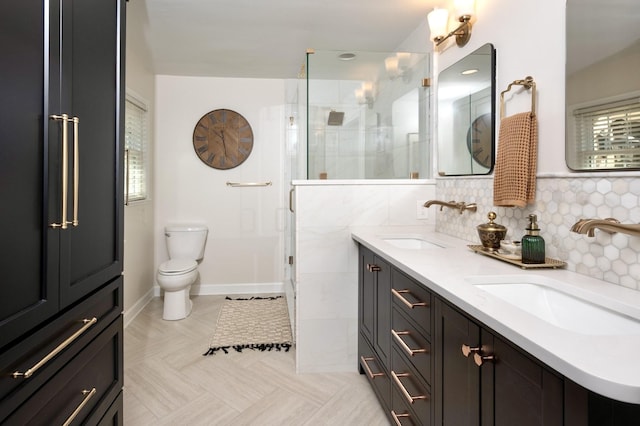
x=608, y=135
x=135, y=150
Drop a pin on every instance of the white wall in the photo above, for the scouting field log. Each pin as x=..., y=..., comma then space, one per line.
x=528, y=41
x=245, y=242
x=139, y=217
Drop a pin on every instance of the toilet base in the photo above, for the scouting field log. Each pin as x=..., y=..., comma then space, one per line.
x=177, y=305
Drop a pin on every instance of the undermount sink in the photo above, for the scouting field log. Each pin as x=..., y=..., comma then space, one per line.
x=545, y=298
x=410, y=242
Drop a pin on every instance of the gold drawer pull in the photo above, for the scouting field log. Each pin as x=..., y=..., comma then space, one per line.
x=467, y=350
x=372, y=267
x=87, y=323
x=411, y=352
x=480, y=359
x=396, y=378
x=87, y=396
x=396, y=417
x=370, y=373
x=399, y=295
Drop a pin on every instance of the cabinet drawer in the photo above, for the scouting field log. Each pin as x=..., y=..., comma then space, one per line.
x=401, y=413
x=413, y=299
x=373, y=368
x=412, y=345
x=91, y=380
x=413, y=391
x=42, y=353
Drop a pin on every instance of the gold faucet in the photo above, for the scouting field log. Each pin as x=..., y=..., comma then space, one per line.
x=461, y=206
x=610, y=225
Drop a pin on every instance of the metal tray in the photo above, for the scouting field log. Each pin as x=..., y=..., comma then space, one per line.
x=548, y=262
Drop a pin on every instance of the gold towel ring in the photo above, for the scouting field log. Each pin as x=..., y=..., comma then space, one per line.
x=528, y=83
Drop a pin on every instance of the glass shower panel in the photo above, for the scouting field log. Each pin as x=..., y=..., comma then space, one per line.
x=367, y=115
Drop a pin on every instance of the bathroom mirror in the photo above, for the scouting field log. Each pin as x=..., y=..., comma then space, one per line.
x=466, y=115
x=603, y=85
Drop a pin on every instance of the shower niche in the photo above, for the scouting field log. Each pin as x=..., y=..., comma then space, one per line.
x=367, y=115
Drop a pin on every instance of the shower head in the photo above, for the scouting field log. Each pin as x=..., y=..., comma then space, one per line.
x=335, y=118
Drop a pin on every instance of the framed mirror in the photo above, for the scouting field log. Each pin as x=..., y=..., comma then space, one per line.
x=603, y=85
x=466, y=115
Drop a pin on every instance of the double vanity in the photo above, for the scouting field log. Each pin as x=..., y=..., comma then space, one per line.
x=448, y=336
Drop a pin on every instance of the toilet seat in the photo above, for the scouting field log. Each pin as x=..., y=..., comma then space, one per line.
x=177, y=266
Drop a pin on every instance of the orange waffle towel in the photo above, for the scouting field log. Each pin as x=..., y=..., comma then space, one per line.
x=514, y=182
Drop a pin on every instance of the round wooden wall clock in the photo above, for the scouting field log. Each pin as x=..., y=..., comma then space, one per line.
x=223, y=139
x=480, y=140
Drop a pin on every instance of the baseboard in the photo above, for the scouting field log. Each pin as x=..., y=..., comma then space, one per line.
x=131, y=313
x=235, y=288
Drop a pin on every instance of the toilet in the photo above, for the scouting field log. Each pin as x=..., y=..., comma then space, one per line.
x=185, y=243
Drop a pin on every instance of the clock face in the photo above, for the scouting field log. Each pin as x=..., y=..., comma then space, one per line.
x=480, y=140
x=223, y=139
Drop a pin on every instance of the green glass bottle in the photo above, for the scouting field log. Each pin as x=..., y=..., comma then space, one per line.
x=533, y=243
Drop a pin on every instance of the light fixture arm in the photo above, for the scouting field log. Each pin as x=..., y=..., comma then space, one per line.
x=462, y=33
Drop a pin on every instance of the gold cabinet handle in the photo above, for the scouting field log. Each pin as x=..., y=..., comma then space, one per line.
x=481, y=359
x=396, y=417
x=411, y=352
x=467, y=350
x=88, y=394
x=399, y=295
x=87, y=323
x=370, y=373
x=65, y=170
x=76, y=170
x=396, y=379
x=372, y=267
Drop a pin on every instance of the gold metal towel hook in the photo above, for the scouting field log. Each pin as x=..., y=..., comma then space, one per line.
x=527, y=83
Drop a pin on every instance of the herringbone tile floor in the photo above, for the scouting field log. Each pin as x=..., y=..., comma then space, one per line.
x=167, y=381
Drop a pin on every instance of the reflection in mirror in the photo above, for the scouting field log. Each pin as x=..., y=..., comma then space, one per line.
x=367, y=115
x=603, y=85
x=466, y=115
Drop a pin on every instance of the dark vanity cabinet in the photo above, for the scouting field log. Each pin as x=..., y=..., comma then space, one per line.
x=484, y=380
x=61, y=186
x=374, y=318
x=444, y=367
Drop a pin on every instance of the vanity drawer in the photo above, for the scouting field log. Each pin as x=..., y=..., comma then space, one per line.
x=50, y=347
x=412, y=344
x=373, y=368
x=401, y=413
x=409, y=389
x=87, y=385
x=413, y=299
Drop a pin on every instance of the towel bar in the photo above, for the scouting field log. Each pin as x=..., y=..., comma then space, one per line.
x=528, y=83
x=241, y=184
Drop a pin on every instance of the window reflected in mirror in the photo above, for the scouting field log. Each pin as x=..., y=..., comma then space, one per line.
x=603, y=85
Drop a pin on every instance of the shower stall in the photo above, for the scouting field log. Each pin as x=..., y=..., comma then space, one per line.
x=365, y=115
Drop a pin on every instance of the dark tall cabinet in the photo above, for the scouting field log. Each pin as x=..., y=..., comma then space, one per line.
x=61, y=137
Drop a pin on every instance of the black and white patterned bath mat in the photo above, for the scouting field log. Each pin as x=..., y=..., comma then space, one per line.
x=258, y=323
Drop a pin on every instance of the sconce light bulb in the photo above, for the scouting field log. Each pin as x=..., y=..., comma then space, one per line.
x=464, y=8
x=437, y=19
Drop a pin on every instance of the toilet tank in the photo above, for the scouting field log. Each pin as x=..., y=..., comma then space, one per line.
x=186, y=241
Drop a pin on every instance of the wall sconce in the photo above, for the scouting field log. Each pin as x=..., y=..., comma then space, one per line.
x=438, y=20
x=397, y=65
x=365, y=94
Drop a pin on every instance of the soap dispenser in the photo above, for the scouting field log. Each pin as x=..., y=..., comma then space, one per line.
x=533, y=243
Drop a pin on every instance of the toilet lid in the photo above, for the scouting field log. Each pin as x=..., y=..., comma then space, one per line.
x=177, y=266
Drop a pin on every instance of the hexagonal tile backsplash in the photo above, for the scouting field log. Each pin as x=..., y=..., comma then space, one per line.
x=560, y=202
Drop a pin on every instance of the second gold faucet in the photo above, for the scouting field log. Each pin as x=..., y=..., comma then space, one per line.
x=461, y=206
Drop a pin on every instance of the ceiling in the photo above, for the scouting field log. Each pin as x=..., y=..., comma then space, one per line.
x=268, y=39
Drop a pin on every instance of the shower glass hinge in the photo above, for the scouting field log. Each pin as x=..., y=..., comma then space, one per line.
x=290, y=260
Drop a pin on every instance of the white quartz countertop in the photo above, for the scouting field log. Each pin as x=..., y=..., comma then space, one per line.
x=608, y=364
